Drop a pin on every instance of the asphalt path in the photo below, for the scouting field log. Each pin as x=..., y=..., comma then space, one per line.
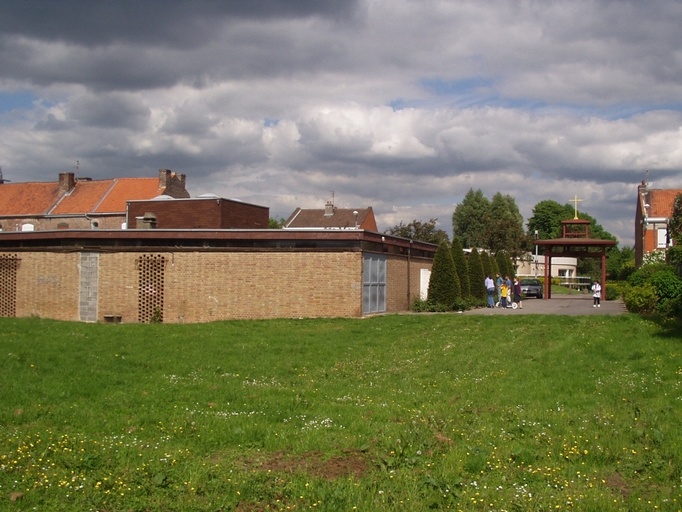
x=557, y=305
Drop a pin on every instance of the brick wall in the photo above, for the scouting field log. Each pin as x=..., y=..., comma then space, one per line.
x=215, y=213
x=204, y=286
x=397, y=298
x=209, y=286
x=48, y=285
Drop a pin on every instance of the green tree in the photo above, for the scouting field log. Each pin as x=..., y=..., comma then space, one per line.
x=444, y=283
x=470, y=220
x=504, y=263
x=461, y=267
x=505, y=226
x=546, y=219
x=276, y=223
x=477, y=276
x=422, y=231
x=675, y=223
x=489, y=265
x=620, y=263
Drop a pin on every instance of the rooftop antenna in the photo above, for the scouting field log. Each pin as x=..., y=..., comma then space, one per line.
x=646, y=177
x=2, y=180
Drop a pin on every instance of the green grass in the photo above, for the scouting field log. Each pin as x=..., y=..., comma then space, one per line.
x=406, y=412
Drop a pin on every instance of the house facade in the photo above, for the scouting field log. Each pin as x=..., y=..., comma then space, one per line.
x=653, y=211
x=80, y=203
x=189, y=276
x=534, y=266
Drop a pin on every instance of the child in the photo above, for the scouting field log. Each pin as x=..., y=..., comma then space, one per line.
x=596, y=294
x=504, y=291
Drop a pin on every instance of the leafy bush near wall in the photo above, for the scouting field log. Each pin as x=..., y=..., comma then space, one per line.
x=641, y=299
x=655, y=290
x=460, y=304
x=613, y=291
x=643, y=274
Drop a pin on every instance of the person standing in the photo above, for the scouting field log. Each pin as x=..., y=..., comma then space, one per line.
x=490, y=288
x=498, y=285
x=596, y=294
x=517, y=292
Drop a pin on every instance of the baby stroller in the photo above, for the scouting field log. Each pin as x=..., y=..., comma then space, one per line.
x=506, y=303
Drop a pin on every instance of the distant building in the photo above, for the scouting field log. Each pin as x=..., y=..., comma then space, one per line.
x=653, y=211
x=534, y=266
x=80, y=203
x=331, y=217
x=205, y=212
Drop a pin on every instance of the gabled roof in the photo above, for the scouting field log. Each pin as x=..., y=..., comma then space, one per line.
x=106, y=196
x=332, y=218
x=660, y=202
x=18, y=199
x=70, y=196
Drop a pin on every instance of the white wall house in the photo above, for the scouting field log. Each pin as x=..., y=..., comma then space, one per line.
x=534, y=266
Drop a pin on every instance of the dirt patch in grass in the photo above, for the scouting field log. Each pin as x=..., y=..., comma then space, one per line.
x=349, y=463
x=618, y=483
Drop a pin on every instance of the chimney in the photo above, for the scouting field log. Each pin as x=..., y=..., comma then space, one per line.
x=172, y=184
x=329, y=209
x=164, y=178
x=67, y=181
x=148, y=221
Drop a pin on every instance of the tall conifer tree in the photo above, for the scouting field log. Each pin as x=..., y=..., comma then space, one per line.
x=444, y=283
x=477, y=276
x=461, y=267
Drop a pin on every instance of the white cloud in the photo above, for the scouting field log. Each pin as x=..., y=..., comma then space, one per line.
x=400, y=105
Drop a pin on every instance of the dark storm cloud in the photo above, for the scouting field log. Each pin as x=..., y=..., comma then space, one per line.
x=178, y=23
x=109, y=111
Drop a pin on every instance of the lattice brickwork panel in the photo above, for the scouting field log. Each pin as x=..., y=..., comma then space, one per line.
x=8, y=285
x=151, y=269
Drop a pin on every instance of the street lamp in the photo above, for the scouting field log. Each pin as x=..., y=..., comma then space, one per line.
x=536, y=253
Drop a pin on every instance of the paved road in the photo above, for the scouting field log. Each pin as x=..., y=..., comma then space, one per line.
x=561, y=305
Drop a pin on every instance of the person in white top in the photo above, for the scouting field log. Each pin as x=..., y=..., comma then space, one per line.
x=596, y=294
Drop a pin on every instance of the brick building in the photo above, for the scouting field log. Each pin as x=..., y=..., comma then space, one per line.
x=80, y=203
x=186, y=276
x=206, y=212
x=653, y=211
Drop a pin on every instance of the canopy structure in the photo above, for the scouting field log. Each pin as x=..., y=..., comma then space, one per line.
x=575, y=242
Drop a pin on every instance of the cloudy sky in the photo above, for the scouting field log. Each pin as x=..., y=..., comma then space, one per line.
x=402, y=105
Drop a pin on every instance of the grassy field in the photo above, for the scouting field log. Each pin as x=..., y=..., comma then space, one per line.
x=408, y=412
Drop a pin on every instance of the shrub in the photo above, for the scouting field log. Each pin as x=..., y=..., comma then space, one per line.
x=667, y=284
x=613, y=291
x=644, y=273
x=641, y=299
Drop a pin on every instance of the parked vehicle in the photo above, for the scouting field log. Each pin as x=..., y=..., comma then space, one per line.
x=531, y=287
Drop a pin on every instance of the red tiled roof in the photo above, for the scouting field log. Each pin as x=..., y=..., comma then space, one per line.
x=129, y=189
x=83, y=198
x=87, y=197
x=661, y=202
x=27, y=198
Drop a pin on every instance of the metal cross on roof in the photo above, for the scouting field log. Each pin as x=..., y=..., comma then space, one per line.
x=575, y=202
